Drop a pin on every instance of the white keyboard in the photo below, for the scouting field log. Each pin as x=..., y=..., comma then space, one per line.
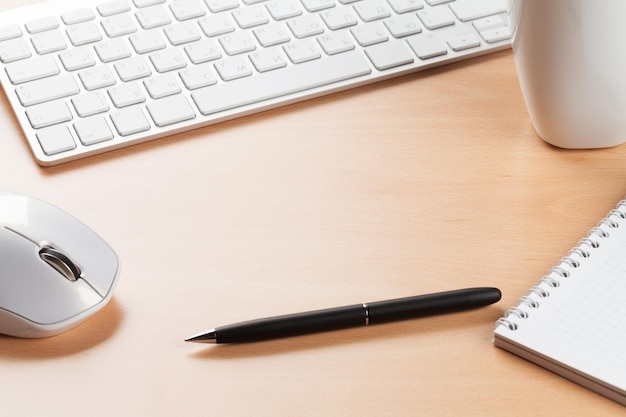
x=86, y=77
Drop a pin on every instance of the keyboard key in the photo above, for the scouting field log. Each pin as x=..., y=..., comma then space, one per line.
x=216, y=25
x=170, y=110
x=186, y=9
x=284, y=9
x=118, y=25
x=461, y=43
x=389, y=55
x=405, y=6
x=233, y=68
x=488, y=23
x=203, y=51
x=46, y=89
x=89, y=104
x=56, y=139
x=216, y=6
x=42, y=25
x=113, y=7
x=198, y=76
x=317, y=5
x=274, y=84
x=146, y=3
x=168, y=60
x=302, y=51
x=436, y=18
x=24, y=71
x=404, y=25
x=125, y=95
x=47, y=42
x=96, y=77
x=77, y=58
x=132, y=68
x=153, y=17
x=130, y=121
x=148, y=41
x=370, y=10
x=182, y=33
x=48, y=114
x=14, y=50
x=370, y=34
x=93, y=130
x=162, y=86
x=268, y=59
x=427, y=46
x=10, y=32
x=338, y=19
x=335, y=42
x=250, y=17
x=112, y=50
x=304, y=26
x=496, y=35
x=77, y=16
x=467, y=10
x=237, y=43
x=83, y=33
x=273, y=34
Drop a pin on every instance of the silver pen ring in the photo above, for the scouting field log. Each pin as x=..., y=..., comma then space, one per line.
x=366, y=309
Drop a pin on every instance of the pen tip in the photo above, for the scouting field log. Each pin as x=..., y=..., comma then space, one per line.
x=206, y=337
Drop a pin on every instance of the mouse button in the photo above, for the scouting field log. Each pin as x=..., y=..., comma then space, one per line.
x=43, y=222
x=39, y=302
x=99, y=265
x=56, y=304
x=17, y=254
x=34, y=219
x=12, y=324
x=39, y=220
x=14, y=208
x=30, y=288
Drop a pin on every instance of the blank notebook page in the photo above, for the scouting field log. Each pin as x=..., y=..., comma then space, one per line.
x=574, y=320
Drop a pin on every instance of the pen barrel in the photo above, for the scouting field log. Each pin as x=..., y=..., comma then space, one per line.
x=354, y=316
x=293, y=325
x=432, y=304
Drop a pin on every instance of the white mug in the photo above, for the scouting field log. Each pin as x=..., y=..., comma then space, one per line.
x=570, y=57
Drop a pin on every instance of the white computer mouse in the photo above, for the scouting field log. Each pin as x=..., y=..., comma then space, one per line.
x=55, y=272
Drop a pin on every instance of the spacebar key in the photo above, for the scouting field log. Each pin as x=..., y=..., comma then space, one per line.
x=277, y=83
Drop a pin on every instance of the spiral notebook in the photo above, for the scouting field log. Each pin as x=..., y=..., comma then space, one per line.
x=573, y=321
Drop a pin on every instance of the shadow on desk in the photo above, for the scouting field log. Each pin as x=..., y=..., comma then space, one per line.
x=87, y=335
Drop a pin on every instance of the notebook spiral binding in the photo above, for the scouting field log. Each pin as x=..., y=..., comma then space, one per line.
x=559, y=273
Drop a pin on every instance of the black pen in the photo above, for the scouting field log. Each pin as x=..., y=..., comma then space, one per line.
x=350, y=316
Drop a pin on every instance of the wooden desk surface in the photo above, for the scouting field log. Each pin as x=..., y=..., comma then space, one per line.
x=430, y=182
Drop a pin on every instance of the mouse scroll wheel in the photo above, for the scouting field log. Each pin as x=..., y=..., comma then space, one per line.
x=60, y=262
